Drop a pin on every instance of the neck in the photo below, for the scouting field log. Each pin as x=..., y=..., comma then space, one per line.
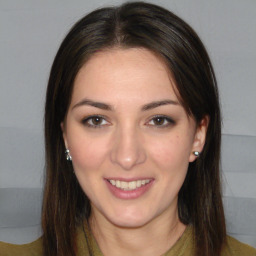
x=153, y=238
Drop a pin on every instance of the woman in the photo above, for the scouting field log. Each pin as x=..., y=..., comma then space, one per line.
x=132, y=135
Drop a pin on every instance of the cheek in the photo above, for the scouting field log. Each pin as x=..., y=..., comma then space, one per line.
x=87, y=153
x=171, y=155
x=171, y=150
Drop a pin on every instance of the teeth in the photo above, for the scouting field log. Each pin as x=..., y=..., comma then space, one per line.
x=132, y=185
x=138, y=183
x=118, y=184
x=113, y=182
x=124, y=185
x=129, y=185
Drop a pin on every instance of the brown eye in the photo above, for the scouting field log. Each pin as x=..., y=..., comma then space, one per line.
x=159, y=120
x=95, y=121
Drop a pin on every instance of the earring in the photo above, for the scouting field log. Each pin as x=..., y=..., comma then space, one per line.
x=68, y=156
x=196, y=153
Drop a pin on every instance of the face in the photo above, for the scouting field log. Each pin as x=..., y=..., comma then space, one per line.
x=129, y=137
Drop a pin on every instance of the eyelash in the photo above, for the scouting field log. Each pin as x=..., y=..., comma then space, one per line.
x=90, y=118
x=167, y=121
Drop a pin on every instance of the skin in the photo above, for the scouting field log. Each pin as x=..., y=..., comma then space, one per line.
x=129, y=142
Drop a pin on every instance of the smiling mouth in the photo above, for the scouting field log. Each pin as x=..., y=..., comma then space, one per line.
x=131, y=185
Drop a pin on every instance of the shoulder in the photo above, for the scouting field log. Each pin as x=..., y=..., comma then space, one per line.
x=86, y=243
x=30, y=249
x=235, y=248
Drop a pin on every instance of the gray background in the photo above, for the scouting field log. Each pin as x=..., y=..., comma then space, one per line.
x=31, y=31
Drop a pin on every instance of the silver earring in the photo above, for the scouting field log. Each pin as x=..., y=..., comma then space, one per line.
x=68, y=156
x=196, y=153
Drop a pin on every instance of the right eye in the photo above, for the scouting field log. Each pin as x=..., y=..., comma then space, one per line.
x=160, y=121
x=95, y=121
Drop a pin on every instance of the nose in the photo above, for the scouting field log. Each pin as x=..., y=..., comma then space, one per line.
x=127, y=150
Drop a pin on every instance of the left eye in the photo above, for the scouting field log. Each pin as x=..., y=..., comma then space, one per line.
x=95, y=121
x=160, y=121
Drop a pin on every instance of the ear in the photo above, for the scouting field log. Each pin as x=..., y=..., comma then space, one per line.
x=199, y=138
x=62, y=125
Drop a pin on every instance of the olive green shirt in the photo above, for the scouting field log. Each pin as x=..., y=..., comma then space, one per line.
x=183, y=247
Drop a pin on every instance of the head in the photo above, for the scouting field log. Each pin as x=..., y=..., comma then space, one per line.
x=145, y=27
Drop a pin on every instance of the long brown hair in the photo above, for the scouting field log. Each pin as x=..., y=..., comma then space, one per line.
x=136, y=24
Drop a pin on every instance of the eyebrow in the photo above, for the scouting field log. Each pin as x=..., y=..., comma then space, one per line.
x=95, y=104
x=108, y=107
x=156, y=104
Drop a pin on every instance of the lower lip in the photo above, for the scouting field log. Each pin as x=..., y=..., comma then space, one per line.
x=129, y=194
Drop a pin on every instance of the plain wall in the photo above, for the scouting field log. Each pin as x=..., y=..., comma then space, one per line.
x=31, y=32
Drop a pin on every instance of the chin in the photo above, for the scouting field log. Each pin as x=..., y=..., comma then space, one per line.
x=129, y=224
x=134, y=220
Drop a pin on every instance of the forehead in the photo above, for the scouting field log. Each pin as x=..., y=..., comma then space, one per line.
x=124, y=73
